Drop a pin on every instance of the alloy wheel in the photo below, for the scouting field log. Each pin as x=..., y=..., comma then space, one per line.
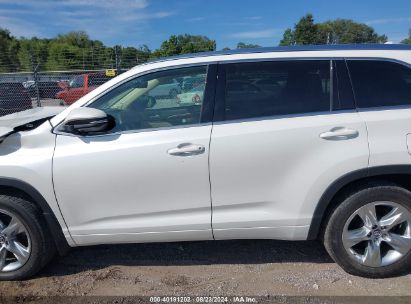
x=15, y=242
x=378, y=234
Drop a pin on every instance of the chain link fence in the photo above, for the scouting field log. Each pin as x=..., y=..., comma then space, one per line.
x=31, y=79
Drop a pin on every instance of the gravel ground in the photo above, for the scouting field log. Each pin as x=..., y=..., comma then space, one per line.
x=230, y=268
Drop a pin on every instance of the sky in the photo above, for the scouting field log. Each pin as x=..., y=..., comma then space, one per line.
x=137, y=22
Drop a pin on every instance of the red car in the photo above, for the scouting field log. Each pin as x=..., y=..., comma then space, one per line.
x=80, y=86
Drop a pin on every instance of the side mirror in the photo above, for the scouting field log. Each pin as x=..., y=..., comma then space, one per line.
x=87, y=121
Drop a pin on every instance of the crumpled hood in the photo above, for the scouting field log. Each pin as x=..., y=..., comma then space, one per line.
x=10, y=122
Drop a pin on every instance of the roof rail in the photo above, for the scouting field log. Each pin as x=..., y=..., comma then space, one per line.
x=294, y=48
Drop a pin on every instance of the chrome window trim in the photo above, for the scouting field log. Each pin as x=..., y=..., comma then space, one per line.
x=119, y=133
x=385, y=108
x=325, y=58
x=286, y=116
x=268, y=59
x=393, y=60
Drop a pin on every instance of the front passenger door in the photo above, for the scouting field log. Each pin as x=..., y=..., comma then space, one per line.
x=148, y=179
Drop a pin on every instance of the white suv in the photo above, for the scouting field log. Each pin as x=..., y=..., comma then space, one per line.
x=287, y=143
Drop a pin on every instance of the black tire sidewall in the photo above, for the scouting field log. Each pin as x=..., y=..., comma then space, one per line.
x=334, y=230
x=30, y=219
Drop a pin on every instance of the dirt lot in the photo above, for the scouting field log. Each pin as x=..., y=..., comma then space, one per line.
x=256, y=268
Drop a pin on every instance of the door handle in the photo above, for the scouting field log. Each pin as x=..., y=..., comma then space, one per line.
x=186, y=149
x=339, y=133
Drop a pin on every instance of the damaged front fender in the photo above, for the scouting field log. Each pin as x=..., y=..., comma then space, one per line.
x=26, y=120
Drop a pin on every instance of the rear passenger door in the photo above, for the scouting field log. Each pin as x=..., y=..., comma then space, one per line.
x=283, y=131
x=383, y=95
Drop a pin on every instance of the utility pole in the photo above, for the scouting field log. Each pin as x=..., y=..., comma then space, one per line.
x=118, y=60
x=92, y=57
x=35, y=66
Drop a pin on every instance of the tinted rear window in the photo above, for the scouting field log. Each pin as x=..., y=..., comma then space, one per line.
x=277, y=88
x=380, y=83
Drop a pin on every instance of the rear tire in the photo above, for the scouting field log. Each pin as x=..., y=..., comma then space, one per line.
x=368, y=246
x=32, y=241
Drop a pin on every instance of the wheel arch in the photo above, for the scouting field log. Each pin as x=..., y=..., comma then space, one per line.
x=13, y=186
x=398, y=174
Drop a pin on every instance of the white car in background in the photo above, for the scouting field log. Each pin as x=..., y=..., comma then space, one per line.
x=194, y=96
x=169, y=89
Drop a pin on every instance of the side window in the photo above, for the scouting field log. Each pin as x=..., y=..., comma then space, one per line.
x=77, y=82
x=277, y=88
x=380, y=83
x=156, y=100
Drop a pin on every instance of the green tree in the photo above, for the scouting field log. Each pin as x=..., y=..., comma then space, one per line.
x=8, y=52
x=288, y=38
x=143, y=54
x=32, y=49
x=306, y=31
x=407, y=40
x=182, y=44
x=84, y=53
x=79, y=39
x=73, y=50
x=131, y=56
x=64, y=56
x=242, y=45
x=347, y=31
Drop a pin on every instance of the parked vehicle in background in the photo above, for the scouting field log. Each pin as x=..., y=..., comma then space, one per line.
x=299, y=143
x=27, y=84
x=188, y=83
x=194, y=96
x=169, y=89
x=13, y=98
x=47, y=89
x=79, y=86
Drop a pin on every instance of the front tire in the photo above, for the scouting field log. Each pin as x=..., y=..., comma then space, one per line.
x=25, y=244
x=369, y=233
